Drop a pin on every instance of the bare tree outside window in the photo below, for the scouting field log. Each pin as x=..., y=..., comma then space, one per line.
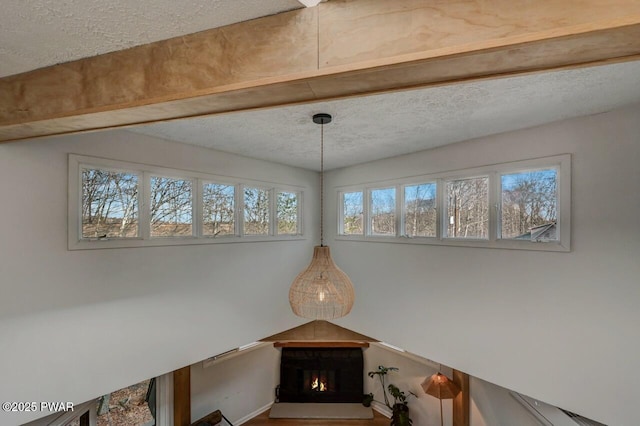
x=529, y=201
x=383, y=211
x=287, y=211
x=256, y=211
x=218, y=204
x=171, y=207
x=131, y=406
x=109, y=204
x=420, y=210
x=468, y=208
x=352, y=206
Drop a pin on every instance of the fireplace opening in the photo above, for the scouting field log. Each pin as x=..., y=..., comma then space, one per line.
x=321, y=375
x=319, y=381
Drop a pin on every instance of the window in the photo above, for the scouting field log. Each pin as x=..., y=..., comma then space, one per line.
x=117, y=204
x=352, y=213
x=287, y=213
x=510, y=205
x=256, y=211
x=171, y=207
x=468, y=208
x=218, y=203
x=134, y=405
x=528, y=205
x=420, y=210
x=383, y=211
x=109, y=204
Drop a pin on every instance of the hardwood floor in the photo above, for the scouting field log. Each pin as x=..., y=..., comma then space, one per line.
x=264, y=420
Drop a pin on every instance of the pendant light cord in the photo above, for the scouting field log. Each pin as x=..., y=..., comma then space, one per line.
x=322, y=185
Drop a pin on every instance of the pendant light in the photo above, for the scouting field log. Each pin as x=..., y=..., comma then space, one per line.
x=322, y=291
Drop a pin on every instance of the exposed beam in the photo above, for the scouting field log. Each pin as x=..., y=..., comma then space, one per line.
x=461, y=406
x=340, y=48
x=182, y=397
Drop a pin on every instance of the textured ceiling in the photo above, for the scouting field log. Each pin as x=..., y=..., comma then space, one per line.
x=39, y=33
x=380, y=126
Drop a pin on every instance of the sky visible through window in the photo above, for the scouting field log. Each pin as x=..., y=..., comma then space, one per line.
x=256, y=211
x=352, y=213
x=171, y=207
x=383, y=211
x=529, y=201
x=287, y=211
x=218, y=205
x=109, y=204
x=420, y=210
x=468, y=208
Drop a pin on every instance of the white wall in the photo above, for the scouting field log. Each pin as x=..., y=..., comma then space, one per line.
x=559, y=327
x=424, y=410
x=78, y=324
x=238, y=386
x=244, y=384
x=491, y=405
x=555, y=326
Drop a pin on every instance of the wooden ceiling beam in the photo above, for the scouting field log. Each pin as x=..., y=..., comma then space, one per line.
x=339, y=49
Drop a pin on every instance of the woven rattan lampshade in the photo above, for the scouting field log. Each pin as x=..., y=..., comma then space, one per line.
x=322, y=291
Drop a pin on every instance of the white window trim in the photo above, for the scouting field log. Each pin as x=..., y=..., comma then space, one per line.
x=401, y=206
x=365, y=212
x=368, y=229
x=200, y=209
x=442, y=210
x=275, y=206
x=144, y=172
x=195, y=193
x=562, y=163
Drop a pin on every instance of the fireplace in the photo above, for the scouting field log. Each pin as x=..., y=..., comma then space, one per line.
x=321, y=375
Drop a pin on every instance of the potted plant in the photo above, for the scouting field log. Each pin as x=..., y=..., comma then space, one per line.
x=399, y=408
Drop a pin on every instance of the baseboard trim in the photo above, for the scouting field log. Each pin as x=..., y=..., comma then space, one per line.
x=382, y=409
x=253, y=414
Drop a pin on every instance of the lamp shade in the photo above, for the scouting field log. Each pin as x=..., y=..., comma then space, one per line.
x=440, y=386
x=322, y=291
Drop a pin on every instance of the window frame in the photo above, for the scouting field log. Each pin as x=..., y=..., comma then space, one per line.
x=341, y=215
x=144, y=172
x=444, y=213
x=298, y=194
x=403, y=208
x=368, y=225
x=498, y=206
x=111, y=167
x=195, y=194
x=561, y=163
x=272, y=208
x=199, y=201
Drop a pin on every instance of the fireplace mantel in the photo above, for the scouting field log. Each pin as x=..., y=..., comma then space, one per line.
x=316, y=344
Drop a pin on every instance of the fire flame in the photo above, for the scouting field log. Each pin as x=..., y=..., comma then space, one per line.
x=318, y=386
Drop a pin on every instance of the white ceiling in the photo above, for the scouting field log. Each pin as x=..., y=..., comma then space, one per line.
x=37, y=33
x=380, y=126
